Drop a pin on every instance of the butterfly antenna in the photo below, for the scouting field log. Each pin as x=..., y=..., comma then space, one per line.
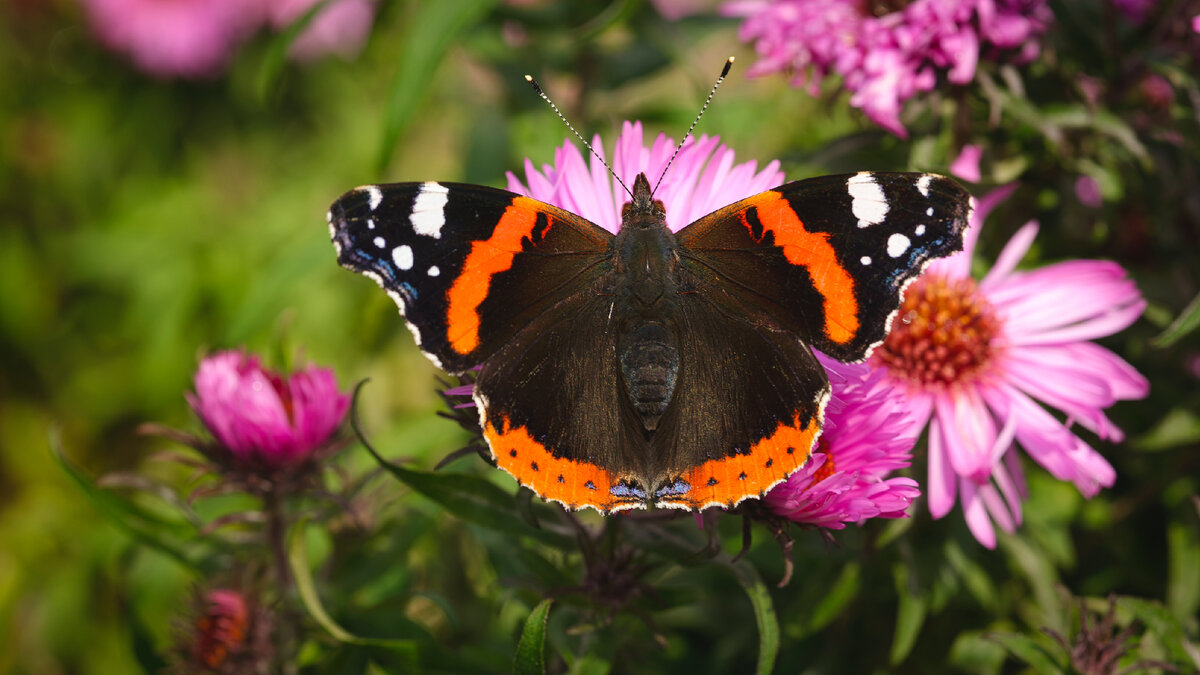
x=536, y=87
x=711, y=93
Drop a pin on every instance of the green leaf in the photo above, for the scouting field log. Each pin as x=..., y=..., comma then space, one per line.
x=973, y=652
x=1161, y=623
x=1183, y=570
x=764, y=614
x=1029, y=651
x=307, y=589
x=531, y=649
x=276, y=56
x=477, y=500
x=589, y=664
x=175, y=540
x=1179, y=427
x=1185, y=323
x=910, y=616
x=843, y=591
x=430, y=32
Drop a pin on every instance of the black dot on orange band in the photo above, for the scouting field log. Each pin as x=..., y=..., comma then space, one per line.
x=742, y=476
x=770, y=462
x=560, y=478
x=512, y=453
x=590, y=485
x=791, y=450
x=712, y=481
x=533, y=465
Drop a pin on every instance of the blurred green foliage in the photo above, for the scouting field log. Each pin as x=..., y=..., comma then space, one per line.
x=146, y=222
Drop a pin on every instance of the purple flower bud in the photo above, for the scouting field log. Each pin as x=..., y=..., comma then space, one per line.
x=263, y=418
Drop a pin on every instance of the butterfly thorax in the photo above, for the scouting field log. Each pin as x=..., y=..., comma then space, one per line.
x=644, y=310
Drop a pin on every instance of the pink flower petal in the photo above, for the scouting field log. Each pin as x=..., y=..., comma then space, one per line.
x=1013, y=252
x=942, y=479
x=976, y=515
x=966, y=165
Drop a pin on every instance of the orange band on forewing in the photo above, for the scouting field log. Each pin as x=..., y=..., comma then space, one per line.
x=572, y=484
x=486, y=259
x=727, y=481
x=813, y=251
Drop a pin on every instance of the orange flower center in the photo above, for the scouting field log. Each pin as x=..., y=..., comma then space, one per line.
x=943, y=334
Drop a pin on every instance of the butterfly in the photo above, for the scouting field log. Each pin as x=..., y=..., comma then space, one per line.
x=650, y=367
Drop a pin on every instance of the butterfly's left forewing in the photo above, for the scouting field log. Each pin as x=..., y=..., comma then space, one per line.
x=816, y=263
x=469, y=266
x=828, y=257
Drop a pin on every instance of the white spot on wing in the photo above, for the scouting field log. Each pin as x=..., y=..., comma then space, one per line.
x=329, y=217
x=920, y=230
x=897, y=244
x=866, y=260
x=374, y=196
x=428, y=210
x=402, y=255
x=923, y=184
x=380, y=242
x=370, y=223
x=434, y=271
x=868, y=201
x=929, y=211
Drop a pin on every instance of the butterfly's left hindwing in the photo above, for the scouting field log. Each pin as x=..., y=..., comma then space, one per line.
x=469, y=266
x=828, y=257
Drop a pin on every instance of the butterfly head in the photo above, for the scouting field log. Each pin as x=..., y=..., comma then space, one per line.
x=644, y=210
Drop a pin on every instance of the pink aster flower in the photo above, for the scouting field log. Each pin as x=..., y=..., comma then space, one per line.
x=175, y=38
x=867, y=436
x=885, y=60
x=340, y=27
x=703, y=178
x=262, y=418
x=1087, y=191
x=966, y=165
x=980, y=362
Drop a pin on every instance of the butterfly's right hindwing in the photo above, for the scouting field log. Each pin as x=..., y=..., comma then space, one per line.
x=468, y=266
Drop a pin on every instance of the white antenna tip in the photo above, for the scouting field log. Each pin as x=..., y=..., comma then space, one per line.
x=529, y=78
x=731, y=59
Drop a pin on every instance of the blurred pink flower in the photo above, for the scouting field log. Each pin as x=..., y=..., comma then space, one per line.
x=867, y=436
x=966, y=165
x=1087, y=191
x=1135, y=10
x=674, y=10
x=703, y=178
x=340, y=27
x=262, y=418
x=885, y=60
x=175, y=38
x=975, y=357
x=221, y=629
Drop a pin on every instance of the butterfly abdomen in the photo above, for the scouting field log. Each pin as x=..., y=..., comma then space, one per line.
x=645, y=318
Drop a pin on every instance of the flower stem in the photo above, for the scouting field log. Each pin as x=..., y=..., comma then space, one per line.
x=276, y=534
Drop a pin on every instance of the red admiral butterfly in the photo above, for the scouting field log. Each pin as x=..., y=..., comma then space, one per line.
x=650, y=367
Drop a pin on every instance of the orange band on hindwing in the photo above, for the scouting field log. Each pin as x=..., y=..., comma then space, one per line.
x=574, y=484
x=812, y=251
x=487, y=258
x=729, y=480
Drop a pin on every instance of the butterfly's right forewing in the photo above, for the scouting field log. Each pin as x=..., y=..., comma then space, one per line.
x=469, y=266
